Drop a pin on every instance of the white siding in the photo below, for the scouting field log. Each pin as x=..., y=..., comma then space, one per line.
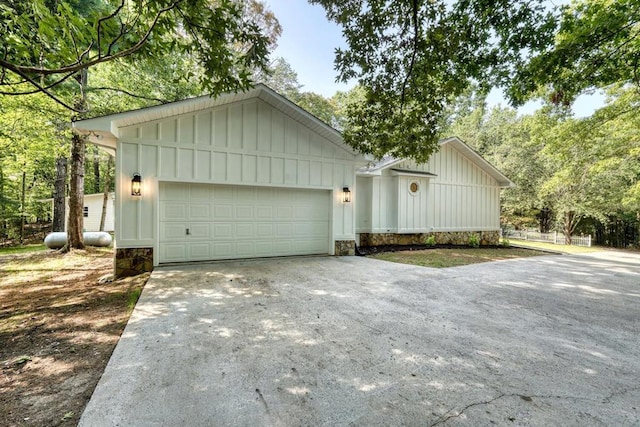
x=244, y=143
x=384, y=214
x=363, y=205
x=461, y=197
x=412, y=207
x=93, y=204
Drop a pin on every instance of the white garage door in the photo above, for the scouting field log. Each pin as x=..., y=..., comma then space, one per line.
x=208, y=222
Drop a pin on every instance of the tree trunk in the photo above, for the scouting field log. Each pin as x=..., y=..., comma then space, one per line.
x=545, y=216
x=59, y=204
x=105, y=199
x=96, y=170
x=75, y=222
x=568, y=226
x=22, y=207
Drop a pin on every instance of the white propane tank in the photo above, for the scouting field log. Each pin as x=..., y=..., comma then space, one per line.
x=58, y=239
x=55, y=240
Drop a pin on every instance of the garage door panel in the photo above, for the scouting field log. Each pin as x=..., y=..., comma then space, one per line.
x=173, y=252
x=200, y=192
x=284, y=212
x=264, y=230
x=264, y=212
x=244, y=212
x=284, y=230
x=223, y=194
x=245, y=230
x=244, y=249
x=264, y=249
x=321, y=213
x=222, y=249
x=173, y=191
x=284, y=247
x=309, y=229
x=199, y=212
x=173, y=211
x=199, y=251
x=227, y=222
x=223, y=231
x=173, y=231
x=222, y=211
x=265, y=195
x=245, y=193
x=199, y=231
x=311, y=246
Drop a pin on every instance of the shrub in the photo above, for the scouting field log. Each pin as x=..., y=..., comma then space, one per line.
x=430, y=241
x=474, y=241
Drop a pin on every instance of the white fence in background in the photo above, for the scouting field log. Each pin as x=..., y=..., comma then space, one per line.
x=555, y=237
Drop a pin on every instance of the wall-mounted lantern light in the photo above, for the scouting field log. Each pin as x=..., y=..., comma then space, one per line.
x=136, y=185
x=346, y=195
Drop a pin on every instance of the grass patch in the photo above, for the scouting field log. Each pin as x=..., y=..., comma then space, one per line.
x=557, y=248
x=443, y=258
x=126, y=297
x=22, y=249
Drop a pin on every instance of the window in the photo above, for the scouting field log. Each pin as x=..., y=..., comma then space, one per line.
x=414, y=187
x=85, y=212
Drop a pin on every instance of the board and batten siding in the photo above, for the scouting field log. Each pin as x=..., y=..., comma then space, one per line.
x=461, y=197
x=244, y=143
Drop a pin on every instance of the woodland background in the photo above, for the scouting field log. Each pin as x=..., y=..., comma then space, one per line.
x=571, y=175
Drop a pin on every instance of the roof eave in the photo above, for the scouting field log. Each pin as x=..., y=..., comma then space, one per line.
x=106, y=128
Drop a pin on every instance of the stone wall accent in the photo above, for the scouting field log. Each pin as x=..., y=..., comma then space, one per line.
x=384, y=239
x=456, y=238
x=133, y=261
x=345, y=247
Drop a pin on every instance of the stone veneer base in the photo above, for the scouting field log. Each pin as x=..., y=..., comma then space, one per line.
x=132, y=261
x=456, y=238
x=345, y=247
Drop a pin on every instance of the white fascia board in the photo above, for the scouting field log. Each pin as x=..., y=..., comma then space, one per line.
x=419, y=174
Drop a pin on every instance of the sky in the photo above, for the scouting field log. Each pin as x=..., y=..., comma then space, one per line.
x=309, y=40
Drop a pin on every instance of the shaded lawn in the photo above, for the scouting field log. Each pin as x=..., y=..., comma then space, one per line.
x=443, y=258
x=59, y=324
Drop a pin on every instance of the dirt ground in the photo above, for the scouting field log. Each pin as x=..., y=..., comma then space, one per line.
x=59, y=324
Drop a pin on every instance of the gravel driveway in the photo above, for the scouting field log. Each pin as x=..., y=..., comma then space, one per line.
x=550, y=340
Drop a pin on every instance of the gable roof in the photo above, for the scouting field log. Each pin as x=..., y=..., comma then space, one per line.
x=376, y=168
x=103, y=130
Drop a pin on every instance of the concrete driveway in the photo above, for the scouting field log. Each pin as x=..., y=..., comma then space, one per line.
x=551, y=340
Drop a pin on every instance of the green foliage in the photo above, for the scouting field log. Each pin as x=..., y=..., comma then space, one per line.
x=33, y=131
x=140, y=53
x=565, y=169
x=283, y=79
x=412, y=57
x=596, y=45
x=474, y=241
x=430, y=241
x=45, y=45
